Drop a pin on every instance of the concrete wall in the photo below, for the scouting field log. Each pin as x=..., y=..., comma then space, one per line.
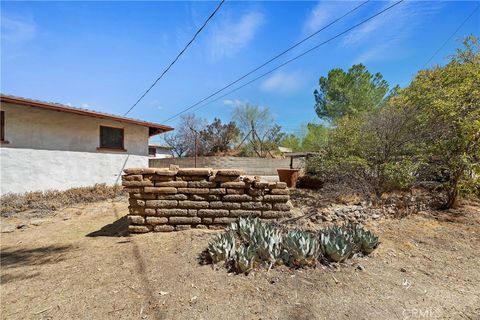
x=252, y=166
x=24, y=170
x=57, y=150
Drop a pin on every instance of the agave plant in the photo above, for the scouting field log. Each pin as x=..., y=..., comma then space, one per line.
x=267, y=243
x=369, y=242
x=244, y=259
x=222, y=247
x=300, y=248
x=246, y=228
x=335, y=247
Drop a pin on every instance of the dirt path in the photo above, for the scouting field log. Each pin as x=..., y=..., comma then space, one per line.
x=426, y=268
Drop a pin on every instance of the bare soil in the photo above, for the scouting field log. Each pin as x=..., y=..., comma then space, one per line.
x=79, y=264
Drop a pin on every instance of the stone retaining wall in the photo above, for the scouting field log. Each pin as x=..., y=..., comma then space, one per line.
x=175, y=198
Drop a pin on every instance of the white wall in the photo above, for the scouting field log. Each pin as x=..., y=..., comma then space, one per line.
x=24, y=170
x=163, y=153
x=56, y=150
x=36, y=128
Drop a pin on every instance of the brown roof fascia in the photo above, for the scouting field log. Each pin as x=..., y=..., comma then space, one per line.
x=154, y=128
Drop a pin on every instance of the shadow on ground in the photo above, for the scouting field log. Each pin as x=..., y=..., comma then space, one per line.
x=118, y=228
x=13, y=258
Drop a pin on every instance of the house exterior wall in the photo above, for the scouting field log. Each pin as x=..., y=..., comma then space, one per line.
x=162, y=153
x=56, y=150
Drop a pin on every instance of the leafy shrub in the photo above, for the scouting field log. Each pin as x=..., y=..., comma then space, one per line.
x=399, y=175
x=250, y=243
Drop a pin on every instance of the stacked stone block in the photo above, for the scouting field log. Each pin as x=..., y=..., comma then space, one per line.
x=164, y=200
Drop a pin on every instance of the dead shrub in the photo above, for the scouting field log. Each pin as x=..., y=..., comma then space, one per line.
x=54, y=200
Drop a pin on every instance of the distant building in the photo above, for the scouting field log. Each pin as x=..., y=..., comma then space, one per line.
x=53, y=146
x=159, y=151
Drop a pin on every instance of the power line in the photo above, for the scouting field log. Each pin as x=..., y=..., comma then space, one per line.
x=177, y=57
x=452, y=35
x=297, y=57
x=268, y=61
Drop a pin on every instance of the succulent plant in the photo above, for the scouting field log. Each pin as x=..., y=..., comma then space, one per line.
x=369, y=242
x=244, y=259
x=222, y=247
x=300, y=248
x=246, y=228
x=249, y=242
x=335, y=247
x=267, y=243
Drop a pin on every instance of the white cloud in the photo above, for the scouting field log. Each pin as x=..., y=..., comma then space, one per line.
x=283, y=82
x=398, y=22
x=17, y=30
x=233, y=102
x=325, y=12
x=385, y=36
x=229, y=37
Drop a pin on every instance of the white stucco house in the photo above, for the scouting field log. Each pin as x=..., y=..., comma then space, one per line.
x=45, y=146
x=159, y=151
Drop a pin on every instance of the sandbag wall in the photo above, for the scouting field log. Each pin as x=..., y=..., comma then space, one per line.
x=164, y=200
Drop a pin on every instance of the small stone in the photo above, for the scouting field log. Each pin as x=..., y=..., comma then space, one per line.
x=230, y=172
x=157, y=220
x=181, y=227
x=139, y=229
x=402, y=269
x=163, y=228
x=36, y=222
x=7, y=228
x=163, y=190
x=194, y=171
x=233, y=185
x=360, y=267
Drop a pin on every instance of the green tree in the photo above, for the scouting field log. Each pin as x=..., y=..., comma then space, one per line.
x=261, y=135
x=316, y=137
x=447, y=103
x=349, y=93
x=292, y=142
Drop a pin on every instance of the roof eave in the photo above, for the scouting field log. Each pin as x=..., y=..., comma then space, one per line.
x=154, y=128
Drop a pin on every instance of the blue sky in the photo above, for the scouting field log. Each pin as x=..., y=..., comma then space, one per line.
x=104, y=55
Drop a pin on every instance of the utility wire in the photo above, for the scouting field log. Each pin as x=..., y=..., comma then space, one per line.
x=268, y=61
x=452, y=35
x=177, y=57
x=295, y=58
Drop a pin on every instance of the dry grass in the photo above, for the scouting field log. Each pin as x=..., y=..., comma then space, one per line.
x=47, y=201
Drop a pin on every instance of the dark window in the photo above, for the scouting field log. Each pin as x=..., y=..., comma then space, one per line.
x=2, y=125
x=111, y=137
x=152, y=151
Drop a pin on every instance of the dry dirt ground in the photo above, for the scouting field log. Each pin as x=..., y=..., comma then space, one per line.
x=78, y=265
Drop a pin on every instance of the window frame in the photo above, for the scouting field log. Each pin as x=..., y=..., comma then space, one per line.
x=2, y=128
x=154, y=155
x=122, y=148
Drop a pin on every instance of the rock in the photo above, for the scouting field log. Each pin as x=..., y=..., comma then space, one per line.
x=360, y=267
x=375, y=216
x=22, y=226
x=402, y=269
x=7, y=228
x=36, y=222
